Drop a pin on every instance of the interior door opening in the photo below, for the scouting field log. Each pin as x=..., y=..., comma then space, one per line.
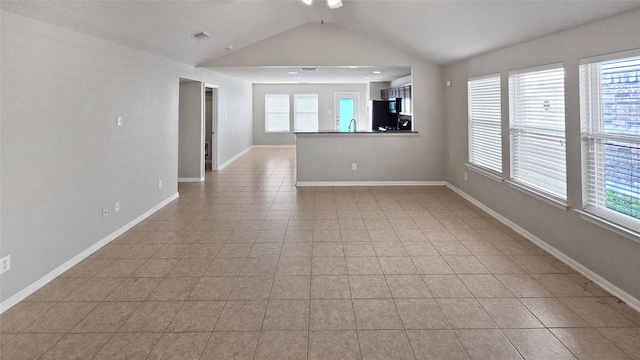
x=211, y=127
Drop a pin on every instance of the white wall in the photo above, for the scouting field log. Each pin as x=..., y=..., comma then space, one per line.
x=63, y=156
x=191, y=131
x=610, y=256
x=235, y=116
x=332, y=45
x=326, y=117
x=376, y=87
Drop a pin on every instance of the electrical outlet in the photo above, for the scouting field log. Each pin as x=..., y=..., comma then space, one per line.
x=105, y=212
x=159, y=184
x=119, y=120
x=465, y=176
x=5, y=264
x=354, y=166
x=116, y=207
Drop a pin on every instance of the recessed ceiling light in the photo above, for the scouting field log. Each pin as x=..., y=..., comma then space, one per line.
x=229, y=48
x=293, y=72
x=353, y=67
x=377, y=72
x=308, y=2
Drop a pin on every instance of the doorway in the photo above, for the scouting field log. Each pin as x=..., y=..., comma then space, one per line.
x=211, y=126
x=346, y=109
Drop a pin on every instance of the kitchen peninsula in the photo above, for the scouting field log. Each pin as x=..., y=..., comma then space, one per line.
x=330, y=158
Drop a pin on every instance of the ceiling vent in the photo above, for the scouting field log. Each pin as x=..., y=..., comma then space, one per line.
x=308, y=69
x=201, y=36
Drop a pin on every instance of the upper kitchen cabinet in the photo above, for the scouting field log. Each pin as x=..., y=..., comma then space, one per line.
x=402, y=92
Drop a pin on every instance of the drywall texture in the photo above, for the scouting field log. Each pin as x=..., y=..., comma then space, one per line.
x=191, y=130
x=63, y=156
x=332, y=45
x=326, y=117
x=613, y=257
x=378, y=157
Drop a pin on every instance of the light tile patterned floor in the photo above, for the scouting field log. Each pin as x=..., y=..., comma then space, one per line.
x=247, y=266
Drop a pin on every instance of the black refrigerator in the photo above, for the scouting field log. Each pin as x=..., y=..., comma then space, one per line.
x=383, y=114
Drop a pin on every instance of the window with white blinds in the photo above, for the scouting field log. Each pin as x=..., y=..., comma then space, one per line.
x=537, y=130
x=276, y=113
x=485, y=135
x=305, y=110
x=610, y=119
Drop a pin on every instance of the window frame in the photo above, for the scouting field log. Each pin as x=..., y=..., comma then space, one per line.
x=592, y=136
x=296, y=113
x=529, y=134
x=267, y=112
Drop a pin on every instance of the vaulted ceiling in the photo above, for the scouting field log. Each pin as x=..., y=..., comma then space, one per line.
x=440, y=31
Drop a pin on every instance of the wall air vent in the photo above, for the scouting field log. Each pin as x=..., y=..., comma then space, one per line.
x=201, y=36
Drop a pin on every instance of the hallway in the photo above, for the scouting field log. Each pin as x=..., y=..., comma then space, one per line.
x=247, y=266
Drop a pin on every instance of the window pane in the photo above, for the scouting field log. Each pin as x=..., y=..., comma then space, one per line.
x=621, y=97
x=610, y=115
x=537, y=130
x=276, y=112
x=485, y=133
x=306, y=112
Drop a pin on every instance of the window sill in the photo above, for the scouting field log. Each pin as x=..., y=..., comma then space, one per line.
x=560, y=204
x=621, y=230
x=486, y=172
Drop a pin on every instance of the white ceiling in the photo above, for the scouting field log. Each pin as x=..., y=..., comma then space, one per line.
x=441, y=31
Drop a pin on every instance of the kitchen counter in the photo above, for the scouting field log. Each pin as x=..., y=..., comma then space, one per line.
x=333, y=132
x=329, y=158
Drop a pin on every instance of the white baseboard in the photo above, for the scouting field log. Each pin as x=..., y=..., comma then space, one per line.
x=370, y=183
x=186, y=180
x=22, y=294
x=220, y=167
x=597, y=279
x=274, y=146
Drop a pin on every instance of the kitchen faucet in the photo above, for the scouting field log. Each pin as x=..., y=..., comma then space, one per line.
x=354, y=125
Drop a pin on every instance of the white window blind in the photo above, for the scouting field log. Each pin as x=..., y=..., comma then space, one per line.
x=610, y=119
x=537, y=130
x=305, y=108
x=276, y=113
x=485, y=136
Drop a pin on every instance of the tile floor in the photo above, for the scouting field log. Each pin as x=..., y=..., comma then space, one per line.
x=247, y=266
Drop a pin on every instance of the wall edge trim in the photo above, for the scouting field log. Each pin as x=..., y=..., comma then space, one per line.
x=220, y=167
x=33, y=287
x=274, y=146
x=591, y=275
x=370, y=183
x=191, y=180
